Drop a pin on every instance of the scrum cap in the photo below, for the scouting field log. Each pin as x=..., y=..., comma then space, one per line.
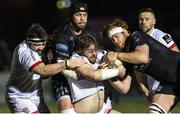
x=79, y=7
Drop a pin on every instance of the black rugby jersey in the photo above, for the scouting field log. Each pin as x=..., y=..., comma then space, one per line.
x=163, y=63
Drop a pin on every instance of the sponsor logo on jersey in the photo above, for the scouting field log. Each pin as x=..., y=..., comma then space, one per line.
x=167, y=39
x=61, y=47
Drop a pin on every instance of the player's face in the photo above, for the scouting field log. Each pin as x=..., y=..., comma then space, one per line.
x=80, y=19
x=91, y=53
x=146, y=22
x=37, y=47
x=119, y=39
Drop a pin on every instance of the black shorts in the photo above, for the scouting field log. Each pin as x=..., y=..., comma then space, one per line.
x=165, y=89
x=60, y=86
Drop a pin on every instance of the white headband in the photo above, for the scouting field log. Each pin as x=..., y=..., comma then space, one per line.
x=36, y=41
x=114, y=31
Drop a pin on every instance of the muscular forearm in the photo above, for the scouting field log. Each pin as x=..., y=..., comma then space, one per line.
x=140, y=79
x=98, y=74
x=140, y=55
x=133, y=57
x=94, y=75
x=91, y=74
x=122, y=86
x=49, y=70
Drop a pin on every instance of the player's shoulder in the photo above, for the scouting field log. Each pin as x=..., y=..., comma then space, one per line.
x=23, y=46
x=137, y=35
x=138, y=38
x=157, y=33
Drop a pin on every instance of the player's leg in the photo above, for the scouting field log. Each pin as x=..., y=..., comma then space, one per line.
x=62, y=93
x=163, y=100
x=64, y=104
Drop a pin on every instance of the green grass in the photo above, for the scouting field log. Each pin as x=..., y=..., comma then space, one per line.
x=3, y=109
x=125, y=105
x=131, y=105
x=136, y=105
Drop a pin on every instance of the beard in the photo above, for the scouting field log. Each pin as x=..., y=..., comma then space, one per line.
x=92, y=60
x=39, y=51
x=81, y=25
x=145, y=29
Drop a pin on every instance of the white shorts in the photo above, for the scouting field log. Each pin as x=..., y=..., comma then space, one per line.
x=24, y=106
x=23, y=102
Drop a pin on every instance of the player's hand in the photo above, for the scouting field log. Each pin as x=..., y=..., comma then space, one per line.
x=103, y=65
x=115, y=64
x=110, y=57
x=50, y=56
x=146, y=92
x=122, y=71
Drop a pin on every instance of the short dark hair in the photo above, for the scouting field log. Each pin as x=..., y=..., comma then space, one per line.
x=147, y=10
x=36, y=31
x=84, y=41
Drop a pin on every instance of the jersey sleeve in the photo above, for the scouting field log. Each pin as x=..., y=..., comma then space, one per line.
x=29, y=58
x=168, y=41
x=163, y=38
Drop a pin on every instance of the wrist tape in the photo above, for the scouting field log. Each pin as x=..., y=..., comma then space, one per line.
x=109, y=73
x=70, y=73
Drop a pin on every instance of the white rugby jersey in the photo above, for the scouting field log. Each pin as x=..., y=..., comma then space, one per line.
x=22, y=80
x=166, y=40
x=83, y=88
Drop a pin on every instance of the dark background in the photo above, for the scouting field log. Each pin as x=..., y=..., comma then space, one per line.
x=17, y=15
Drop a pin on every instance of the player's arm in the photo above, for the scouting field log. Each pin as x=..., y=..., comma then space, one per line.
x=122, y=85
x=88, y=72
x=139, y=56
x=52, y=69
x=141, y=81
